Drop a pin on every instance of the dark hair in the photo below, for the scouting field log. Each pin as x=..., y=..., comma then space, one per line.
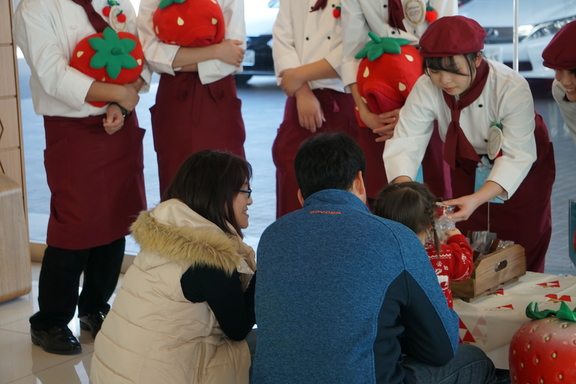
x=410, y=203
x=207, y=182
x=573, y=71
x=448, y=64
x=328, y=161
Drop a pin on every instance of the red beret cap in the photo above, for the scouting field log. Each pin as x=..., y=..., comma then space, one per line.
x=560, y=52
x=451, y=36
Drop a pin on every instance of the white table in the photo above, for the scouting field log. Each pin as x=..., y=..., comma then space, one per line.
x=490, y=322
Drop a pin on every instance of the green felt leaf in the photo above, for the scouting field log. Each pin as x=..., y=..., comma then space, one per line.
x=564, y=313
x=377, y=46
x=112, y=53
x=165, y=3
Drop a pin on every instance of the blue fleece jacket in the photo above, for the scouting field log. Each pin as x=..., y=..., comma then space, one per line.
x=342, y=294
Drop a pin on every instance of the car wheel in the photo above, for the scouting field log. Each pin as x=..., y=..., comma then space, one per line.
x=242, y=79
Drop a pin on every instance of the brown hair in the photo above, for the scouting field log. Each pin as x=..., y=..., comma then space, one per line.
x=207, y=182
x=410, y=203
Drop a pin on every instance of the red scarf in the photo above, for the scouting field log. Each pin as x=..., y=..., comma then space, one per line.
x=95, y=19
x=320, y=4
x=396, y=14
x=457, y=145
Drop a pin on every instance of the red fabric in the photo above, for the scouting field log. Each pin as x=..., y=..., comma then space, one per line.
x=559, y=53
x=94, y=17
x=192, y=23
x=338, y=110
x=396, y=14
x=451, y=36
x=455, y=263
x=189, y=117
x=526, y=217
x=457, y=145
x=320, y=4
x=96, y=180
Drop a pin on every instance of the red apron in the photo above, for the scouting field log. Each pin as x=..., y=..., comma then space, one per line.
x=526, y=217
x=436, y=171
x=189, y=117
x=338, y=111
x=96, y=180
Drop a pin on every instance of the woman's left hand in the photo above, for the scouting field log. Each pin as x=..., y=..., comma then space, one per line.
x=113, y=120
x=466, y=206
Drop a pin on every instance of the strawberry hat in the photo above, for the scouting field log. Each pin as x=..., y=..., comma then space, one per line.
x=387, y=72
x=189, y=23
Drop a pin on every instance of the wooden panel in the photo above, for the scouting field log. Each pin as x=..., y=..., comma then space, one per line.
x=15, y=274
x=11, y=165
x=7, y=74
x=9, y=128
x=5, y=22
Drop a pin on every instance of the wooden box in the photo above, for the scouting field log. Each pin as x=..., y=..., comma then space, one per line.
x=491, y=272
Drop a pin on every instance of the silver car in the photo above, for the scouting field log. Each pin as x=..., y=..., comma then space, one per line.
x=538, y=21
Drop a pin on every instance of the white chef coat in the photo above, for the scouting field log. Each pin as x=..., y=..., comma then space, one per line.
x=567, y=107
x=361, y=16
x=505, y=99
x=302, y=37
x=161, y=55
x=47, y=32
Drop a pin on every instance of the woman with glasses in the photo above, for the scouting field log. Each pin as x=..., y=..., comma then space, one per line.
x=187, y=303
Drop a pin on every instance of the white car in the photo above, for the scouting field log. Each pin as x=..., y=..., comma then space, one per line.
x=260, y=18
x=538, y=21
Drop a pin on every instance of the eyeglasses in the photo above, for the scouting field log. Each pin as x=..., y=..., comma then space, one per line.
x=248, y=191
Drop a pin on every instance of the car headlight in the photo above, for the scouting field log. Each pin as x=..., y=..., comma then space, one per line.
x=530, y=32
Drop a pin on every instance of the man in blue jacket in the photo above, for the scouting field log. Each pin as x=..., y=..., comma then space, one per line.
x=344, y=296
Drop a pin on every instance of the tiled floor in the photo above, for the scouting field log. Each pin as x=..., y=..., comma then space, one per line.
x=23, y=363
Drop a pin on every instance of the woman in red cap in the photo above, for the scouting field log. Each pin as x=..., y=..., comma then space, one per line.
x=497, y=147
x=563, y=61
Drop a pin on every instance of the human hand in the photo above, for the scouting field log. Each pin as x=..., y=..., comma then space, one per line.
x=137, y=84
x=390, y=120
x=310, y=115
x=230, y=52
x=451, y=232
x=290, y=82
x=381, y=124
x=113, y=120
x=466, y=207
x=129, y=97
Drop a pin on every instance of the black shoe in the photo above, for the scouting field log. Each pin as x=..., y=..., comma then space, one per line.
x=92, y=322
x=56, y=340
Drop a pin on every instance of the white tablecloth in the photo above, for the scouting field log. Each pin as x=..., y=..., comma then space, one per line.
x=490, y=322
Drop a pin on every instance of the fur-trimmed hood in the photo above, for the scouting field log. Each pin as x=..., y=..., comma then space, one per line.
x=179, y=234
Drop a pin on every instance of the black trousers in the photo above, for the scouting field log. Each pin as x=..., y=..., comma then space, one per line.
x=60, y=279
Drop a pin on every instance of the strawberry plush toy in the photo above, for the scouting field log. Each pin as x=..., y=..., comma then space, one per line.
x=189, y=23
x=109, y=56
x=544, y=350
x=387, y=72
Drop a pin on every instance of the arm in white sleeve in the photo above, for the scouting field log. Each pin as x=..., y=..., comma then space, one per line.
x=214, y=70
x=283, y=48
x=159, y=56
x=354, y=37
x=519, y=144
x=403, y=153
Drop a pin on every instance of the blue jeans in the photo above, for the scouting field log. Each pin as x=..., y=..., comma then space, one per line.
x=470, y=366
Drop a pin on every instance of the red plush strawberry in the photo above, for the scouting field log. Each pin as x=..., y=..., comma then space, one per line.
x=431, y=14
x=189, y=23
x=387, y=72
x=544, y=350
x=337, y=12
x=109, y=57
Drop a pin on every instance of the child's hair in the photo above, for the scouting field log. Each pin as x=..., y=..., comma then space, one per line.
x=410, y=203
x=207, y=182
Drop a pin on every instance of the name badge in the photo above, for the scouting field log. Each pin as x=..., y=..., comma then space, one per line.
x=482, y=171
